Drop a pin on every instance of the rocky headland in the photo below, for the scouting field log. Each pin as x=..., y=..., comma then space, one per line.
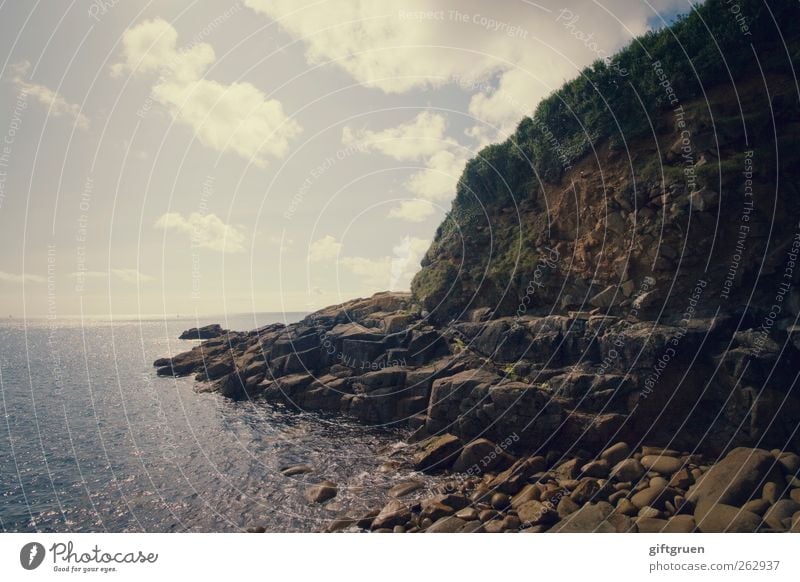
x=603, y=335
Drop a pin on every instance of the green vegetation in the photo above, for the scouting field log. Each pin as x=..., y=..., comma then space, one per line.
x=664, y=69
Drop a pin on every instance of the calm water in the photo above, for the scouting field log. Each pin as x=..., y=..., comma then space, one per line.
x=92, y=440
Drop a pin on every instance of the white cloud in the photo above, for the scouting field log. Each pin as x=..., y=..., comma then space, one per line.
x=23, y=278
x=415, y=210
x=55, y=102
x=205, y=231
x=392, y=273
x=415, y=140
x=503, y=53
x=421, y=139
x=324, y=249
x=236, y=116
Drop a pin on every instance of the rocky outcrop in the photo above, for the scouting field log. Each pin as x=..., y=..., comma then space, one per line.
x=549, y=382
x=203, y=333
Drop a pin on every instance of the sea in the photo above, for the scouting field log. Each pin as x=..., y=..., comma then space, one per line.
x=91, y=440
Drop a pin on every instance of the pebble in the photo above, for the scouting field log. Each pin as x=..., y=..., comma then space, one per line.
x=566, y=506
x=403, y=489
x=296, y=470
x=596, y=469
x=322, y=492
x=662, y=464
x=680, y=524
x=448, y=524
x=467, y=514
x=628, y=470
x=757, y=506
x=500, y=501
x=648, y=511
x=771, y=492
x=651, y=524
x=625, y=507
x=616, y=453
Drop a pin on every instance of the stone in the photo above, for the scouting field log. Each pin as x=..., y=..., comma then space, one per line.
x=566, y=506
x=782, y=509
x=477, y=457
x=703, y=200
x=789, y=462
x=650, y=512
x=322, y=492
x=403, y=489
x=771, y=492
x=653, y=497
x=500, y=501
x=597, y=469
x=293, y=470
x=472, y=527
x=530, y=492
x=592, y=517
x=468, y=514
x=628, y=470
x=757, y=506
x=394, y=513
x=437, y=453
x=512, y=479
x=536, y=513
x=586, y=491
x=448, y=524
x=721, y=518
x=794, y=495
x=661, y=464
x=625, y=507
x=734, y=479
x=651, y=524
x=681, y=479
x=202, y=333
x=680, y=524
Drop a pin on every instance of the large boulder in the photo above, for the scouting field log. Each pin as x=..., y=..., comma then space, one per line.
x=735, y=479
x=203, y=333
x=437, y=453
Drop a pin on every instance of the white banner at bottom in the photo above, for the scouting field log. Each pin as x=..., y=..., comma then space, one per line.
x=350, y=557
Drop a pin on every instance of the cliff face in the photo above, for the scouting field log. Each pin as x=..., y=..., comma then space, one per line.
x=630, y=193
x=623, y=267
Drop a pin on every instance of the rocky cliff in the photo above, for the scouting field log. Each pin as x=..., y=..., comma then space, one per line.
x=623, y=267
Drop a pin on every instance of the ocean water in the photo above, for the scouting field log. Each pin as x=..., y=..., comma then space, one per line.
x=91, y=440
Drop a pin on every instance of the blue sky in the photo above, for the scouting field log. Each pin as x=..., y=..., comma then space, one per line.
x=164, y=157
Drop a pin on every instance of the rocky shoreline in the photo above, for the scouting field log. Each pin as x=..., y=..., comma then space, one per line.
x=528, y=417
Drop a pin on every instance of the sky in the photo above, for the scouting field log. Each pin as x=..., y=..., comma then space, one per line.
x=217, y=157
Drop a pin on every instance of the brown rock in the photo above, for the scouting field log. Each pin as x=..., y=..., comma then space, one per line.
x=735, y=479
x=757, y=506
x=597, y=469
x=437, y=453
x=651, y=524
x=616, y=453
x=322, y=492
x=393, y=513
x=628, y=470
x=653, y=497
x=296, y=470
x=536, y=513
x=783, y=509
x=403, y=489
x=566, y=506
x=680, y=524
x=477, y=457
x=721, y=518
x=592, y=517
x=446, y=525
x=661, y=464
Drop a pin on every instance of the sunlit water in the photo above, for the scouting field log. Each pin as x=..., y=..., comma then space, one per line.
x=92, y=440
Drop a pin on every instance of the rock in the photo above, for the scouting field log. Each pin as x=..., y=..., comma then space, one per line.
x=783, y=509
x=202, y=333
x=446, y=525
x=721, y=518
x=322, y=492
x=681, y=479
x=403, y=489
x=703, y=200
x=651, y=524
x=771, y=492
x=536, y=513
x=393, y=513
x=472, y=527
x=586, y=491
x=530, y=492
x=616, y=453
x=468, y=514
x=661, y=464
x=735, y=479
x=500, y=501
x=680, y=524
x=340, y=523
x=625, y=507
x=597, y=469
x=437, y=453
x=589, y=518
x=628, y=470
x=567, y=506
x=789, y=462
x=293, y=470
x=511, y=480
x=653, y=497
x=757, y=506
x=434, y=509
x=477, y=457
x=794, y=495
